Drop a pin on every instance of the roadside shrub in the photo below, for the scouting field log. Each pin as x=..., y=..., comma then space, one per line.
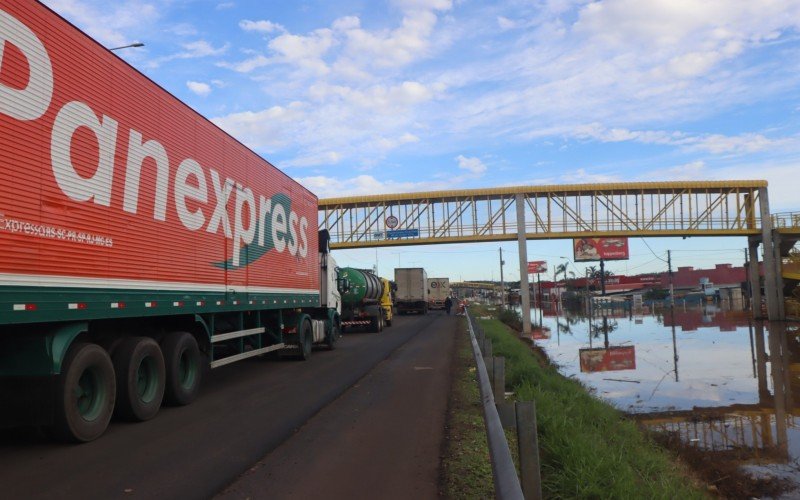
x=511, y=318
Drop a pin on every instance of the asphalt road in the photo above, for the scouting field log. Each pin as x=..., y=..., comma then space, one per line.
x=245, y=412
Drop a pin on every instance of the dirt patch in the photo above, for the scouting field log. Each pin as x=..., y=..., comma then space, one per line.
x=722, y=470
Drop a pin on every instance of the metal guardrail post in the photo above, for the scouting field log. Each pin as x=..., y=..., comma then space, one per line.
x=528, y=446
x=506, y=482
x=499, y=378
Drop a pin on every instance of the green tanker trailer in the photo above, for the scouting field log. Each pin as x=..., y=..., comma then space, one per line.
x=366, y=300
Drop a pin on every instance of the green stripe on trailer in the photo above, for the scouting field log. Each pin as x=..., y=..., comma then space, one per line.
x=21, y=304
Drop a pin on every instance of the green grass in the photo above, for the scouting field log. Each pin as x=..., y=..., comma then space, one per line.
x=587, y=448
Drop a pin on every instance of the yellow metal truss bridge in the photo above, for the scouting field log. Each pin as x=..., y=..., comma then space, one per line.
x=714, y=208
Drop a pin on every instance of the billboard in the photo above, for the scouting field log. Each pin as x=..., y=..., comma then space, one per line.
x=588, y=249
x=608, y=360
x=537, y=266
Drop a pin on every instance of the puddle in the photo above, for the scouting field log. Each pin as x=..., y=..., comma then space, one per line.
x=713, y=383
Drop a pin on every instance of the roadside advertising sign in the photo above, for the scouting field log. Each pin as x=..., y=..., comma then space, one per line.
x=588, y=249
x=537, y=266
x=608, y=360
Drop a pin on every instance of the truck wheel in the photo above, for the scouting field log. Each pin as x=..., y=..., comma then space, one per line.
x=140, y=370
x=333, y=336
x=374, y=324
x=86, y=394
x=184, y=370
x=304, y=341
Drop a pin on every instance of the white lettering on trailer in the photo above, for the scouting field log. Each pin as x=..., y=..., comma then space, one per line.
x=220, y=214
x=244, y=196
x=137, y=153
x=72, y=116
x=30, y=103
x=264, y=208
x=303, y=248
x=191, y=220
x=278, y=227
x=33, y=101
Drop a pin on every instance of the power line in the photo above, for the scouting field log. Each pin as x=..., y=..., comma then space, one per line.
x=651, y=250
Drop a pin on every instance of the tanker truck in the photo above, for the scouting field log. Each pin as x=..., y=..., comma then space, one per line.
x=141, y=244
x=366, y=300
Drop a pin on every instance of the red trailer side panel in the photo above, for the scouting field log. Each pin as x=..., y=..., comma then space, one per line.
x=115, y=192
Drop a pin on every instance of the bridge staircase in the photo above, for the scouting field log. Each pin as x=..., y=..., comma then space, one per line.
x=787, y=227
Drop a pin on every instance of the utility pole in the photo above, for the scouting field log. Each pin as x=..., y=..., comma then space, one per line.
x=749, y=288
x=671, y=288
x=502, y=284
x=602, y=277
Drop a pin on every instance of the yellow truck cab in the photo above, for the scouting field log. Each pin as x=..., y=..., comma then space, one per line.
x=386, y=300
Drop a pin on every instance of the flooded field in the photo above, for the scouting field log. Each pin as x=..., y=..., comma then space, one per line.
x=720, y=384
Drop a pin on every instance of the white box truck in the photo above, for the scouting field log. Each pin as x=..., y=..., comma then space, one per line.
x=412, y=290
x=438, y=291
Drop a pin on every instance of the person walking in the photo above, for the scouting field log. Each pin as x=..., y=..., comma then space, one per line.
x=448, y=304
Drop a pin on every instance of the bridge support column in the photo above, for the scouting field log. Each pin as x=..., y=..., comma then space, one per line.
x=772, y=289
x=754, y=277
x=524, y=289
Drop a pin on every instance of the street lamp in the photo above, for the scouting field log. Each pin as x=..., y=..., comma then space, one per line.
x=135, y=44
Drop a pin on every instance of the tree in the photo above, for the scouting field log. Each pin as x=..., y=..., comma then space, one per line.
x=560, y=269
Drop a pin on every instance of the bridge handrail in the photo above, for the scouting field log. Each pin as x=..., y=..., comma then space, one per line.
x=504, y=472
x=785, y=219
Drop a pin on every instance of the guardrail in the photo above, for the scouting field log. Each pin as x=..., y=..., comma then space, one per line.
x=506, y=482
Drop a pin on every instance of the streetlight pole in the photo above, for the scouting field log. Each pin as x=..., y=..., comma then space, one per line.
x=135, y=44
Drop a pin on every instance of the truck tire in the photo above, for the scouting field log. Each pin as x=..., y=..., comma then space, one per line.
x=374, y=324
x=141, y=375
x=304, y=341
x=184, y=369
x=333, y=336
x=86, y=394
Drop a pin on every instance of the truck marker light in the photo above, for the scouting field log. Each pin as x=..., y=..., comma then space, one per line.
x=150, y=304
x=236, y=302
x=177, y=304
x=201, y=302
x=77, y=305
x=219, y=302
x=118, y=305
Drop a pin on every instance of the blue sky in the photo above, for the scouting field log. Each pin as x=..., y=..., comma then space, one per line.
x=385, y=96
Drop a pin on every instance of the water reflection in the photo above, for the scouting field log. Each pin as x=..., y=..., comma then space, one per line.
x=713, y=377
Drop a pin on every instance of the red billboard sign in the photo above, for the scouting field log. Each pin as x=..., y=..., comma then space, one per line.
x=608, y=360
x=588, y=249
x=537, y=266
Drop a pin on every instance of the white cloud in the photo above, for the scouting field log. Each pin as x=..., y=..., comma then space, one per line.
x=270, y=128
x=247, y=65
x=692, y=171
x=332, y=187
x=199, y=88
x=717, y=144
x=263, y=26
x=191, y=50
x=110, y=23
x=506, y=23
x=471, y=164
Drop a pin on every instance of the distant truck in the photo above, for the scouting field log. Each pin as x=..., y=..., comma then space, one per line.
x=366, y=300
x=412, y=290
x=141, y=244
x=438, y=291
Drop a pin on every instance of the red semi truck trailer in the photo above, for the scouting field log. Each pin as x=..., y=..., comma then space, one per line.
x=139, y=243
